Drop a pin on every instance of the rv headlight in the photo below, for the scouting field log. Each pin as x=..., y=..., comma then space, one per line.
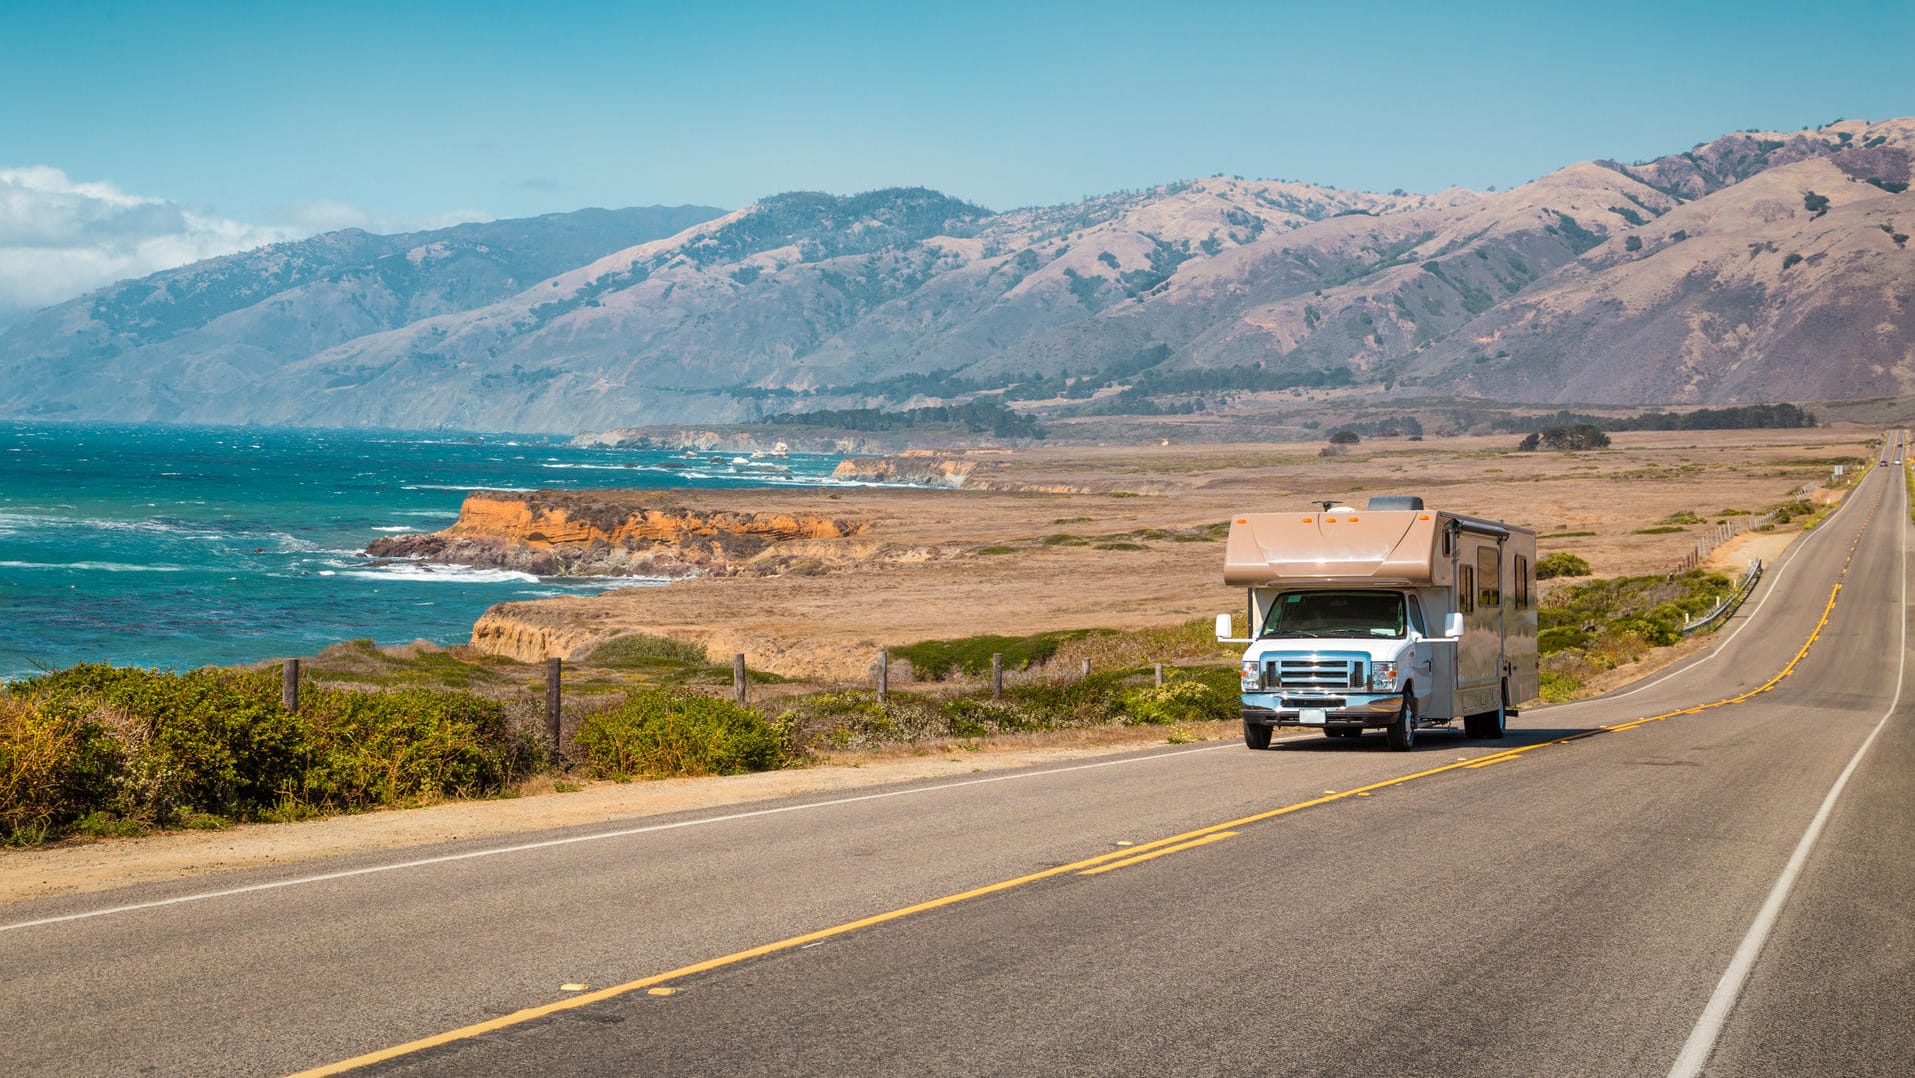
x=1383, y=676
x=1250, y=675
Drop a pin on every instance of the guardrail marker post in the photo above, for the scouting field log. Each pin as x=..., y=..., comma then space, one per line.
x=552, y=675
x=738, y=675
x=1160, y=675
x=997, y=676
x=884, y=673
x=289, y=685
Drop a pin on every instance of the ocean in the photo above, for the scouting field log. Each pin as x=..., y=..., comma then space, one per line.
x=175, y=547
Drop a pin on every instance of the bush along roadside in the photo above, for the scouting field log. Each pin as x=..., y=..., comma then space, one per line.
x=857, y=719
x=660, y=734
x=1585, y=629
x=106, y=750
x=100, y=750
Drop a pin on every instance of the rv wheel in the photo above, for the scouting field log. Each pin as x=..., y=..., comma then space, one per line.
x=1490, y=724
x=1256, y=735
x=1402, y=732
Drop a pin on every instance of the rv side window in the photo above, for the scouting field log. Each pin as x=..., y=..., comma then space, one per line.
x=1486, y=567
x=1416, y=617
x=1465, y=588
x=1521, y=583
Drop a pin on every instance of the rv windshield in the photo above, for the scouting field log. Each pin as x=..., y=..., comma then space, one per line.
x=1349, y=614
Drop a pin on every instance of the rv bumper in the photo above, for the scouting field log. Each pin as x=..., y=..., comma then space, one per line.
x=1349, y=709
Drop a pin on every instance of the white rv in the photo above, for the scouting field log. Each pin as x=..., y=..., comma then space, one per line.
x=1393, y=617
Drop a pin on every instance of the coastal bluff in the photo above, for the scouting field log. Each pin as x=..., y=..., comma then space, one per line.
x=617, y=533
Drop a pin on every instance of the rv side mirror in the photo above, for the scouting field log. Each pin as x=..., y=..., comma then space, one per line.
x=1223, y=626
x=1453, y=625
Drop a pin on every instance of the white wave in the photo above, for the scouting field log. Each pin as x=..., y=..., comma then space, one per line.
x=442, y=574
x=615, y=583
x=603, y=467
x=462, y=486
x=163, y=527
x=395, y=528
x=93, y=566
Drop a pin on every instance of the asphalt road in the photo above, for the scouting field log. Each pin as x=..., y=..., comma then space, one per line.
x=1593, y=895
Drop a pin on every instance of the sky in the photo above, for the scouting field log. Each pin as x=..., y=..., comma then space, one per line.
x=137, y=136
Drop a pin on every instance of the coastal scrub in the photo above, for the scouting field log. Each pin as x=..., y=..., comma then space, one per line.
x=658, y=734
x=124, y=749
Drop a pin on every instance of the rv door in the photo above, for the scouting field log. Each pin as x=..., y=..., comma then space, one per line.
x=1435, y=674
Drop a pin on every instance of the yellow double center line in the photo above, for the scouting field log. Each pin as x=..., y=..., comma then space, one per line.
x=1090, y=866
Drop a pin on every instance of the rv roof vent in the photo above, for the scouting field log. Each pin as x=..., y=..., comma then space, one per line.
x=1395, y=501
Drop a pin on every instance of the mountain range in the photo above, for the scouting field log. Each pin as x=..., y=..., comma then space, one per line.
x=1759, y=266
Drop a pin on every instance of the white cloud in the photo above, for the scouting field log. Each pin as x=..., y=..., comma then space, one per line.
x=60, y=238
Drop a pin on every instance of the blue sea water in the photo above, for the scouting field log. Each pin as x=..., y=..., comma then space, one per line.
x=175, y=547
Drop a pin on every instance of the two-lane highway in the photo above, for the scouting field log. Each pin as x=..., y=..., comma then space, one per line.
x=1573, y=899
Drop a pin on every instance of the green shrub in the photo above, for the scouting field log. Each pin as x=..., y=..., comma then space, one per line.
x=1558, y=688
x=634, y=648
x=1561, y=638
x=132, y=748
x=1784, y=512
x=1182, y=700
x=934, y=660
x=1573, y=437
x=656, y=734
x=209, y=740
x=1561, y=563
x=1599, y=625
x=387, y=748
x=53, y=768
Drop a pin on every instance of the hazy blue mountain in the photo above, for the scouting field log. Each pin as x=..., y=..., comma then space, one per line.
x=1757, y=267
x=166, y=346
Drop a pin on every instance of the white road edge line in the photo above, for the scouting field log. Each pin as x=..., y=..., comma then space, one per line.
x=1708, y=1028
x=1774, y=576
x=599, y=836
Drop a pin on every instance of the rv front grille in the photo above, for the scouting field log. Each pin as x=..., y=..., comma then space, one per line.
x=1315, y=672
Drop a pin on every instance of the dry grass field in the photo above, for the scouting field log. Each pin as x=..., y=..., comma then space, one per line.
x=1130, y=537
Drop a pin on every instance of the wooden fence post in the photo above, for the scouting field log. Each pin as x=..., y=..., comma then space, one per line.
x=552, y=675
x=884, y=673
x=738, y=675
x=289, y=685
x=997, y=676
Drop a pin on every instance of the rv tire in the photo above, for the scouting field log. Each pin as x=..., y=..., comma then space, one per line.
x=1402, y=732
x=1488, y=725
x=1256, y=735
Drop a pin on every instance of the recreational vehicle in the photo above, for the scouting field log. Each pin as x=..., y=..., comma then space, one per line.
x=1393, y=617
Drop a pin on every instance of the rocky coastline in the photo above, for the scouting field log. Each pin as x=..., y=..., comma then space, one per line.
x=618, y=533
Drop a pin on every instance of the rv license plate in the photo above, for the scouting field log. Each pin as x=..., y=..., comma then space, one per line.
x=1312, y=716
